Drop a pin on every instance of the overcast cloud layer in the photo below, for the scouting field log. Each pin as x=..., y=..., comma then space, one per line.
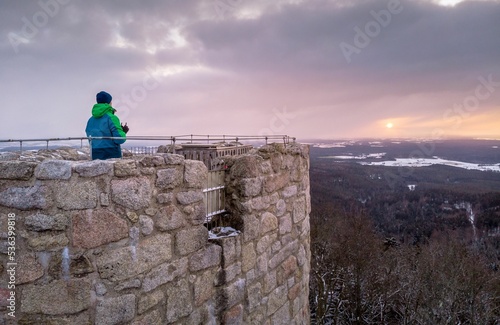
x=312, y=68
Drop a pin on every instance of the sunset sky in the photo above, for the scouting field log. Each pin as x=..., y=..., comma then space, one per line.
x=306, y=68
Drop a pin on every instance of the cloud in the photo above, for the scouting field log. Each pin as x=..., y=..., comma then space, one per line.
x=224, y=66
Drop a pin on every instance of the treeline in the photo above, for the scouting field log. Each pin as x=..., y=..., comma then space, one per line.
x=409, y=216
x=382, y=254
x=359, y=277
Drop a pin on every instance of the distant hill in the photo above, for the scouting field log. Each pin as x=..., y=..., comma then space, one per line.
x=407, y=201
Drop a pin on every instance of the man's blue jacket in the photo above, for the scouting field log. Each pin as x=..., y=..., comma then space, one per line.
x=104, y=123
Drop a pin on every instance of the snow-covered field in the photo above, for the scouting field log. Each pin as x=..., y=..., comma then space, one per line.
x=422, y=162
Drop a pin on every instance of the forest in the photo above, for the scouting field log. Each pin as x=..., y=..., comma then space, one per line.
x=413, y=246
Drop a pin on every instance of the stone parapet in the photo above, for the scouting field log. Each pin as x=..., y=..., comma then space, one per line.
x=124, y=241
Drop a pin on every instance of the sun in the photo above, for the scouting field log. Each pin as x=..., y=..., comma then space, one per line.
x=389, y=125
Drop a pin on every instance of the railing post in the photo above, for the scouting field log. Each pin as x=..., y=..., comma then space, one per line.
x=90, y=147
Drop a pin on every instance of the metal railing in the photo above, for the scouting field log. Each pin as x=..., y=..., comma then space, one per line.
x=172, y=140
x=214, y=193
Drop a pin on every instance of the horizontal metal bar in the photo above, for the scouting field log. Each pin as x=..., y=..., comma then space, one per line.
x=212, y=189
x=160, y=138
x=215, y=213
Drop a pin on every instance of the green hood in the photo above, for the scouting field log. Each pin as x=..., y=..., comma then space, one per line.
x=100, y=109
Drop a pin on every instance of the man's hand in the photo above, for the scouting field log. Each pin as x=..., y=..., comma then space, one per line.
x=125, y=128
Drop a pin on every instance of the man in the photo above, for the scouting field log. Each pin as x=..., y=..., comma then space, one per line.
x=104, y=123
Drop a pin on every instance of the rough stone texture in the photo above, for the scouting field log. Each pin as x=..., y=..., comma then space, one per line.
x=146, y=224
x=245, y=167
x=56, y=298
x=287, y=268
x=150, y=300
x=229, y=273
x=269, y=222
x=234, y=292
x=290, y=191
x=92, y=228
x=169, y=218
x=125, y=262
x=133, y=193
x=93, y=168
x=251, y=187
x=283, y=254
x=179, y=301
x=196, y=213
x=26, y=198
x=53, y=169
x=275, y=182
x=195, y=174
x=134, y=283
x=254, y=296
x=234, y=315
x=29, y=269
x=152, y=161
x=168, y=178
x=115, y=310
x=82, y=318
x=165, y=198
x=189, y=197
x=280, y=208
x=191, y=240
x=231, y=249
x=164, y=273
x=285, y=224
x=132, y=216
x=80, y=265
x=48, y=242
x=249, y=257
x=173, y=159
x=203, y=287
x=104, y=199
x=282, y=316
x=205, y=258
x=16, y=170
x=100, y=289
x=78, y=196
x=265, y=243
x=42, y=222
x=123, y=242
x=125, y=168
x=153, y=317
x=299, y=209
x=251, y=227
x=277, y=298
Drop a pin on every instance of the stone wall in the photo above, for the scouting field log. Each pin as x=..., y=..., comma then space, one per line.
x=124, y=241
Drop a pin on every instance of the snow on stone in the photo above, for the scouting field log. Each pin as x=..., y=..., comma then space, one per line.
x=219, y=232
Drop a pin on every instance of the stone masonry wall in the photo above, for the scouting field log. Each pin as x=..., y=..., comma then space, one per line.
x=124, y=241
